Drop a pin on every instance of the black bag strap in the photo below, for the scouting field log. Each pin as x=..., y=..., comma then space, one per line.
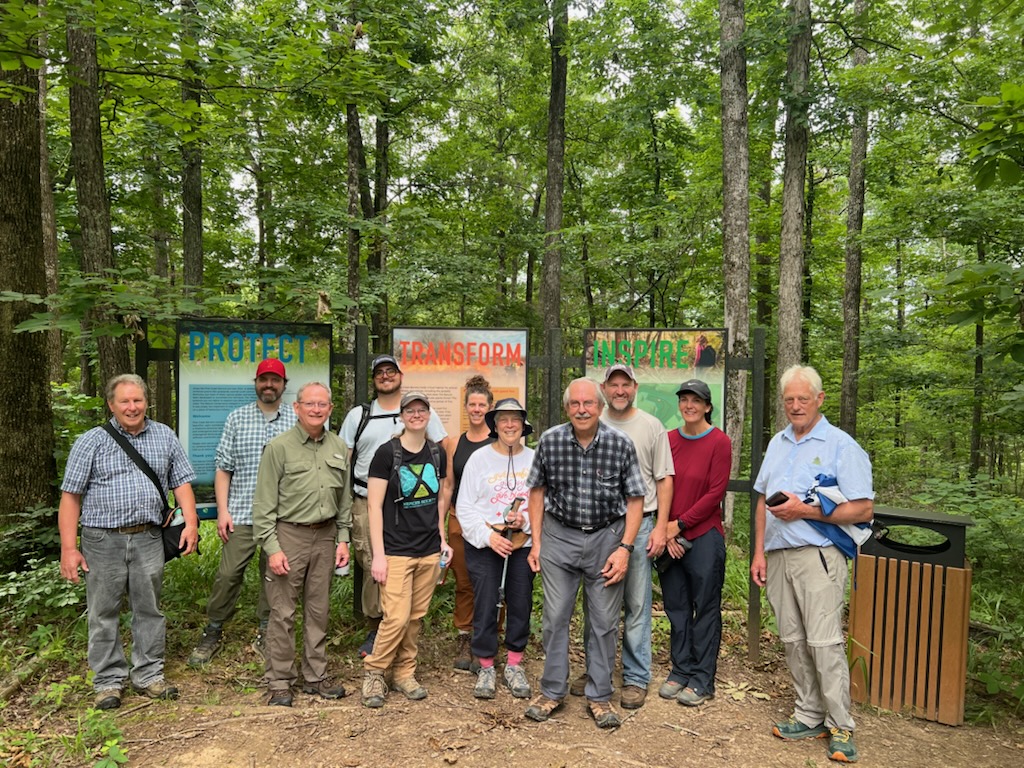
x=135, y=456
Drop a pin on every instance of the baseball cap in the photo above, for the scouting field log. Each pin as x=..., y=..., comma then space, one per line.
x=696, y=387
x=380, y=360
x=271, y=365
x=410, y=397
x=619, y=368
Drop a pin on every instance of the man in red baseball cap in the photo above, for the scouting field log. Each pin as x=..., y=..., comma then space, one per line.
x=246, y=431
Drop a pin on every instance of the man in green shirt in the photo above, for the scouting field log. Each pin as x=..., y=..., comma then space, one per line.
x=301, y=518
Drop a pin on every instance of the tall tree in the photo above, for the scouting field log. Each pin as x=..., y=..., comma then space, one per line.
x=791, y=242
x=27, y=468
x=191, y=151
x=735, y=218
x=90, y=187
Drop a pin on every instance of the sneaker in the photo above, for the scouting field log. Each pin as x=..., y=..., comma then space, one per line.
x=604, y=714
x=633, y=696
x=374, y=690
x=690, y=698
x=325, y=689
x=579, y=685
x=485, y=685
x=541, y=708
x=463, y=657
x=794, y=730
x=367, y=647
x=108, y=698
x=670, y=689
x=515, y=679
x=411, y=688
x=209, y=644
x=280, y=697
x=840, y=746
x=158, y=689
x=259, y=644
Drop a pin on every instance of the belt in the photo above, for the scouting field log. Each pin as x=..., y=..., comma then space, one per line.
x=651, y=513
x=314, y=526
x=586, y=528
x=140, y=528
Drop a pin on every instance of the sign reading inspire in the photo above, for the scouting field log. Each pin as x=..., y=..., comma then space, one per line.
x=659, y=353
x=218, y=347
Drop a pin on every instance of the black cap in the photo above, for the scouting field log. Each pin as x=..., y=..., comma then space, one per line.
x=380, y=360
x=695, y=387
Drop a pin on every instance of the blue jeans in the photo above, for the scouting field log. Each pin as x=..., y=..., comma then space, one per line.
x=636, y=597
x=119, y=562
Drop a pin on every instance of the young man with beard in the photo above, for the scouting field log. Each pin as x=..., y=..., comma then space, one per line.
x=246, y=431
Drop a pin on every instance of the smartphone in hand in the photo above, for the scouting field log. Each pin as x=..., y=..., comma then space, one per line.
x=776, y=499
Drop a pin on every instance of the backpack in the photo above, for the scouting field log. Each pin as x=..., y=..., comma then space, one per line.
x=396, y=464
x=364, y=419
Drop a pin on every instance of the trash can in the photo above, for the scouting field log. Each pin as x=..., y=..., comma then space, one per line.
x=910, y=611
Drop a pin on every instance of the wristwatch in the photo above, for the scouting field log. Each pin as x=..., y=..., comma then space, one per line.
x=628, y=547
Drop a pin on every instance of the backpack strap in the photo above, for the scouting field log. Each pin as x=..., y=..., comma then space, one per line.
x=364, y=419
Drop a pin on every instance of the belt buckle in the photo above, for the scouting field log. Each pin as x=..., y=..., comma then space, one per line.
x=588, y=528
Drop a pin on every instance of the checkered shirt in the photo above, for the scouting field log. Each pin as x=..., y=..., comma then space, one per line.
x=115, y=492
x=246, y=432
x=590, y=486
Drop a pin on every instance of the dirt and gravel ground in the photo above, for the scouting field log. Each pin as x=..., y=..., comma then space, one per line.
x=221, y=721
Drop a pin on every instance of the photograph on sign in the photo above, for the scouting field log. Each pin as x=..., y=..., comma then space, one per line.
x=662, y=359
x=217, y=362
x=438, y=361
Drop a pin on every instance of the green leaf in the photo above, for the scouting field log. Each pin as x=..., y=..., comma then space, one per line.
x=1009, y=171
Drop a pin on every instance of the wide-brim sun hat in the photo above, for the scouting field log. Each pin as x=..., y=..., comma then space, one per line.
x=508, y=404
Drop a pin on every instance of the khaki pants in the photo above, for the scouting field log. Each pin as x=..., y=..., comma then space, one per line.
x=405, y=598
x=363, y=554
x=463, y=616
x=234, y=557
x=310, y=553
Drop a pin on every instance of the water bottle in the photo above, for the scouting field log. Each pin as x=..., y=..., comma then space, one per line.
x=177, y=518
x=443, y=573
x=342, y=570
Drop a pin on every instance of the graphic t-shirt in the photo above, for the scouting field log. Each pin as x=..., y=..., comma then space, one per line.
x=410, y=504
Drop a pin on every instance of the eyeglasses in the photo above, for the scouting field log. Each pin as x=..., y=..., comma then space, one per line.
x=586, y=404
x=311, y=404
x=385, y=373
x=416, y=411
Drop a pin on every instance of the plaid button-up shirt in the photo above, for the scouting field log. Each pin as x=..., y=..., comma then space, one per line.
x=586, y=486
x=246, y=432
x=114, y=491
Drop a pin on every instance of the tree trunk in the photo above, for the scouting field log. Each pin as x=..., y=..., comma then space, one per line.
x=54, y=343
x=531, y=252
x=192, y=158
x=979, y=388
x=354, y=140
x=93, y=203
x=27, y=469
x=376, y=260
x=162, y=268
x=854, y=230
x=735, y=223
x=791, y=246
x=551, y=273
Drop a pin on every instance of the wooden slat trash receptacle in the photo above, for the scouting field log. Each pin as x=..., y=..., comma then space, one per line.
x=909, y=615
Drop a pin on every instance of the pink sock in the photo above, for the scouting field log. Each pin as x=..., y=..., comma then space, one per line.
x=487, y=663
x=515, y=658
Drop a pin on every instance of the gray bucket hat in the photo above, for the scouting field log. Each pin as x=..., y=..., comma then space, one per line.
x=507, y=404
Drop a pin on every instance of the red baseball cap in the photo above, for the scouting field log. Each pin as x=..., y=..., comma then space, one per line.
x=271, y=365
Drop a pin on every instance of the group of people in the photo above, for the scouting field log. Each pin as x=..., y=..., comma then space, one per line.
x=603, y=501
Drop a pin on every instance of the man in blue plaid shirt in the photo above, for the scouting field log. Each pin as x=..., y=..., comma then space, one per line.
x=246, y=431
x=586, y=504
x=122, y=541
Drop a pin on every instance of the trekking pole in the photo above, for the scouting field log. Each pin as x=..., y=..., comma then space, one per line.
x=507, y=533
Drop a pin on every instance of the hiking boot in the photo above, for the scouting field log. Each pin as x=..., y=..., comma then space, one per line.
x=670, y=689
x=633, y=697
x=690, y=698
x=411, y=688
x=604, y=714
x=579, y=685
x=280, y=697
x=515, y=679
x=158, y=689
x=259, y=644
x=325, y=689
x=108, y=698
x=367, y=647
x=541, y=708
x=485, y=683
x=374, y=690
x=209, y=644
x=463, y=656
x=794, y=730
x=840, y=746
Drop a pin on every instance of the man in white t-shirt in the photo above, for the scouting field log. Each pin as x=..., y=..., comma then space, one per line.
x=365, y=429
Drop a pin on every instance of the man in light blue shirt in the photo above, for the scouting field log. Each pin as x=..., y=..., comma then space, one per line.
x=805, y=573
x=246, y=431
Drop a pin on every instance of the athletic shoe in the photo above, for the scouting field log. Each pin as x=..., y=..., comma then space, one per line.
x=794, y=730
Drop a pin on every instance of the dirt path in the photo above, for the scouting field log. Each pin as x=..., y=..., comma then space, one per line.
x=221, y=722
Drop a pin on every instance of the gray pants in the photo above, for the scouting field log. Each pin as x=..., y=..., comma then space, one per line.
x=119, y=562
x=567, y=558
x=234, y=557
